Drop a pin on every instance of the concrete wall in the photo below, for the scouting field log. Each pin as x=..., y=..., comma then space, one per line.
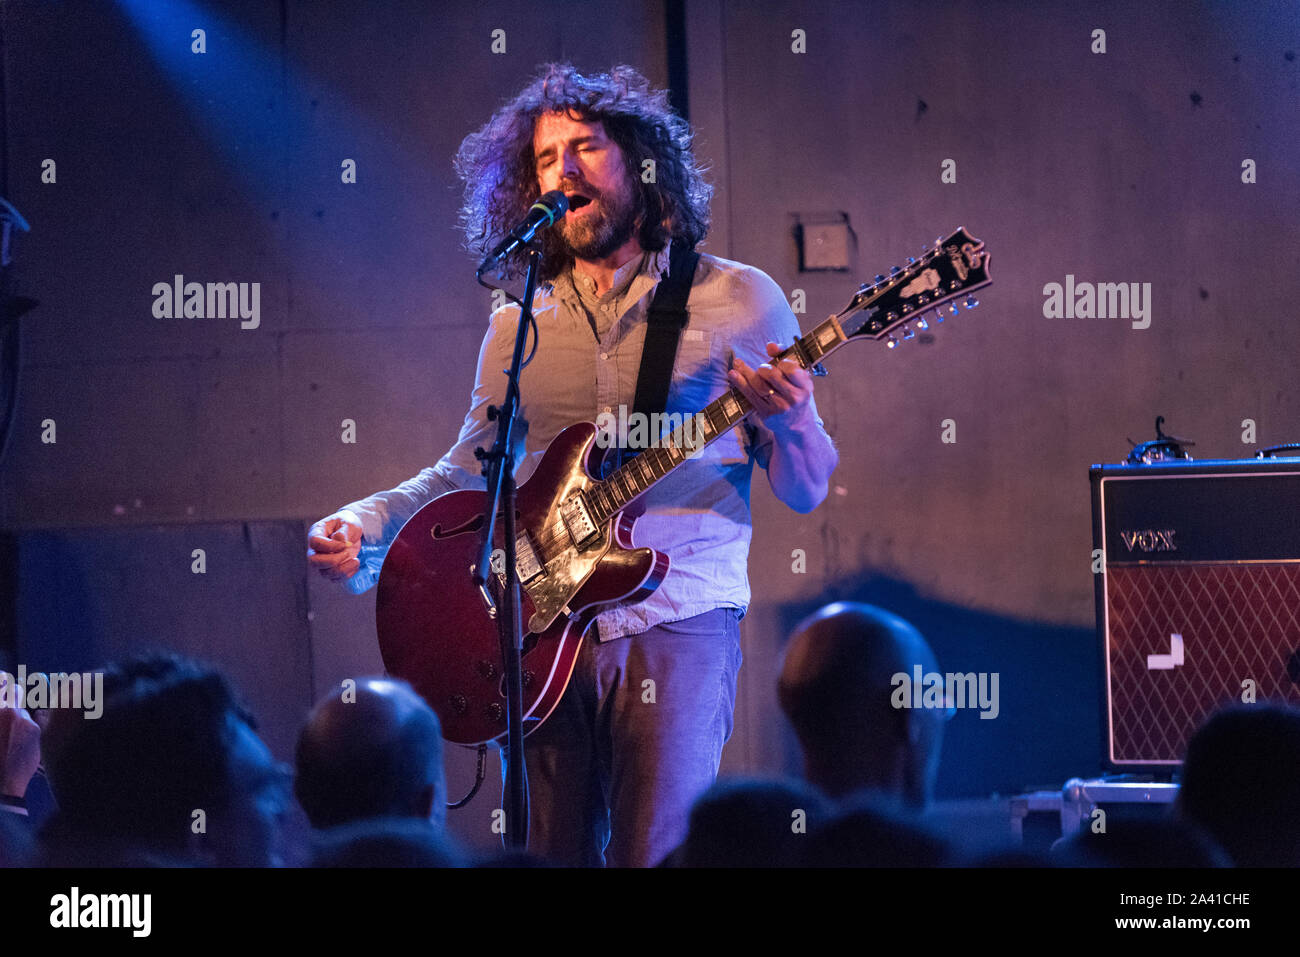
x=1117, y=167
x=226, y=167
x=1123, y=166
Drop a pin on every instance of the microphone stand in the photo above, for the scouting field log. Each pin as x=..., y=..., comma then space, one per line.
x=498, y=467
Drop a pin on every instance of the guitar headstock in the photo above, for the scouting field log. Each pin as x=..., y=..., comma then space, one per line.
x=937, y=285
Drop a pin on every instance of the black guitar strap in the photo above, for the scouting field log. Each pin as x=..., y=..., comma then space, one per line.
x=664, y=323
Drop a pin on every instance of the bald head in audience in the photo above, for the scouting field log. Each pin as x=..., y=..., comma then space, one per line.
x=835, y=687
x=370, y=751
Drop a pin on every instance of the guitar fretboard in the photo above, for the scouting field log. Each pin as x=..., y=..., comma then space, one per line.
x=636, y=475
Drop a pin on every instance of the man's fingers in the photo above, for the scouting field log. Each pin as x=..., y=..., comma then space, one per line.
x=328, y=560
x=327, y=544
x=775, y=381
x=325, y=527
x=342, y=571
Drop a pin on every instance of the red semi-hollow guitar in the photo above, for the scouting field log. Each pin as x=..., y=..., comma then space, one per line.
x=574, y=544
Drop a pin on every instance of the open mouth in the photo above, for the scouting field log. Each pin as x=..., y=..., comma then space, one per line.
x=577, y=201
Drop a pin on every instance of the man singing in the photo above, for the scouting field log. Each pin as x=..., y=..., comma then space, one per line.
x=639, y=733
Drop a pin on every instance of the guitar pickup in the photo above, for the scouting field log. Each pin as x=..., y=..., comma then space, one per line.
x=577, y=519
x=526, y=563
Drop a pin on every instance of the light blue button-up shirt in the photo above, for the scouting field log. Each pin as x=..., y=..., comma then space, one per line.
x=699, y=515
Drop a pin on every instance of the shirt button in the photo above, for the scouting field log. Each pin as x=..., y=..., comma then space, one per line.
x=608, y=409
x=604, y=355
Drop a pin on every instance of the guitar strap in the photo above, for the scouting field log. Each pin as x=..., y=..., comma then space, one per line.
x=664, y=323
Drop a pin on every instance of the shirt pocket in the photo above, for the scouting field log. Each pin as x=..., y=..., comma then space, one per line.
x=697, y=372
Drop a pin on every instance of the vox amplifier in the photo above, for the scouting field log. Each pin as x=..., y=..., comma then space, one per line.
x=1198, y=597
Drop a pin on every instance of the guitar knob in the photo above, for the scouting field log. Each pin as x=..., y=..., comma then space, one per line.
x=495, y=712
x=971, y=302
x=487, y=669
x=458, y=703
x=893, y=343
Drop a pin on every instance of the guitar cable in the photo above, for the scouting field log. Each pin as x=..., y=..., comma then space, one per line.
x=478, y=779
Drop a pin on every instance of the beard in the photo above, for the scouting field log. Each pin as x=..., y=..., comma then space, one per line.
x=603, y=230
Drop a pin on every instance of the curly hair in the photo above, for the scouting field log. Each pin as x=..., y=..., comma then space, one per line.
x=499, y=169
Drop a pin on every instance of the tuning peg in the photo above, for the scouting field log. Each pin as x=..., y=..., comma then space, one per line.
x=952, y=309
x=938, y=242
x=909, y=332
x=922, y=324
x=971, y=302
x=892, y=343
x=894, y=270
x=911, y=261
x=879, y=279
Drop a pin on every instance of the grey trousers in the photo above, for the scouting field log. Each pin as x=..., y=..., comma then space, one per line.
x=635, y=740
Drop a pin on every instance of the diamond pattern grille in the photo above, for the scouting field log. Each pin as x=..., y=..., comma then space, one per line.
x=1238, y=621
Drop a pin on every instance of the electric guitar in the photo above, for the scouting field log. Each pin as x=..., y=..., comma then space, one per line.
x=574, y=547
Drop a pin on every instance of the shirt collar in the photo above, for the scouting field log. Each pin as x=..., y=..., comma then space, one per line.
x=654, y=265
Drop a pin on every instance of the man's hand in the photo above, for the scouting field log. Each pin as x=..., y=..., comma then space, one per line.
x=803, y=457
x=779, y=392
x=335, y=544
x=20, y=742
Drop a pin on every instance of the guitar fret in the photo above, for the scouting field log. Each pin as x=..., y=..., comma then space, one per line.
x=639, y=473
x=661, y=468
x=704, y=427
x=601, y=500
x=717, y=417
x=733, y=406
x=812, y=347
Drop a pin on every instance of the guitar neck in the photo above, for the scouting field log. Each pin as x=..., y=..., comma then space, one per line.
x=952, y=267
x=638, y=475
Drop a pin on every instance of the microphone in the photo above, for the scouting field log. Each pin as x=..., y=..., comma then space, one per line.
x=541, y=214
